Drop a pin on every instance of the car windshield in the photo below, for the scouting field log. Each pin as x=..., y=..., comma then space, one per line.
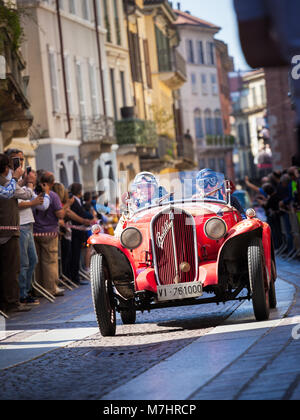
x=177, y=187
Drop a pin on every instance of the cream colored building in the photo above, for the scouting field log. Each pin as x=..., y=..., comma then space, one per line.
x=200, y=102
x=249, y=113
x=70, y=89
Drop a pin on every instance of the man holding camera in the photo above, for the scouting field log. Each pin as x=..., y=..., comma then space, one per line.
x=9, y=236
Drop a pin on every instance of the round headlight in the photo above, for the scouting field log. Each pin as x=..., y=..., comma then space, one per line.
x=215, y=228
x=131, y=238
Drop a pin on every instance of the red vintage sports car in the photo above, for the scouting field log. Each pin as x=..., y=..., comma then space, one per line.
x=177, y=250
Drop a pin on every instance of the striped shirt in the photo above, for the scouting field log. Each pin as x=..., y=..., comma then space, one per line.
x=9, y=190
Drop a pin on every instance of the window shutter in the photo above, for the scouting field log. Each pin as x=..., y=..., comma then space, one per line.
x=147, y=64
x=94, y=90
x=54, y=81
x=68, y=83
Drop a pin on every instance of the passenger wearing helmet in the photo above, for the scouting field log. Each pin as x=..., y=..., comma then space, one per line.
x=145, y=189
x=209, y=185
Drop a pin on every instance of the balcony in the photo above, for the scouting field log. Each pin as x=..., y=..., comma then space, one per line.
x=97, y=135
x=136, y=132
x=219, y=142
x=172, y=68
x=15, y=117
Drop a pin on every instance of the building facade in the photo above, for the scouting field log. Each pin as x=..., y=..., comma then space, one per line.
x=157, y=73
x=252, y=153
x=70, y=90
x=200, y=103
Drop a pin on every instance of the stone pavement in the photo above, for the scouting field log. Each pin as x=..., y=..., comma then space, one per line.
x=241, y=359
x=208, y=352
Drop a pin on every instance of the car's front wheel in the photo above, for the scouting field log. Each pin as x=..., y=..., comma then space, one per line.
x=257, y=274
x=103, y=297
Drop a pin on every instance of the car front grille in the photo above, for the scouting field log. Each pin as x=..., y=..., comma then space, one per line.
x=174, y=247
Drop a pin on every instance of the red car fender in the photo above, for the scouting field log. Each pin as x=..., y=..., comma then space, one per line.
x=242, y=228
x=108, y=240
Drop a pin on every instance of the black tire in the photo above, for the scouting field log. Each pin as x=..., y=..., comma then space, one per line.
x=128, y=316
x=102, y=293
x=257, y=273
x=272, y=291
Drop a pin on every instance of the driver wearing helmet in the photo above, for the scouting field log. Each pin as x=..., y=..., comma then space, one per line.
x=208, y=185
x=144, y=189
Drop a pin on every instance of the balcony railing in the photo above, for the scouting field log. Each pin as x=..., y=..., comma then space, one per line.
x=171, y=60
x=14, y=65
x=96, y=129
x=139, y=132
x=219, y=142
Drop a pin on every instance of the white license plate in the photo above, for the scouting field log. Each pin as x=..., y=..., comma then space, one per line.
x=179, y=291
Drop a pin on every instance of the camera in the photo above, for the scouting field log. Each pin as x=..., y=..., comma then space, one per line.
x=16, y=163
x=39, y=189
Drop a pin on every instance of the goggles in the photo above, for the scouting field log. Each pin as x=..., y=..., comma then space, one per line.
x=208, y=182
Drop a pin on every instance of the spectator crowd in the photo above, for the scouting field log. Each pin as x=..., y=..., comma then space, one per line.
x=44, y=228
x=279, y=196
x=43, y=232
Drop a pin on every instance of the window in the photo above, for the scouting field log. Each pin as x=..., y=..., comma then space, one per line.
x=85, y=10
x=222, y=166
x=147, y=64
x=190, y=51
x=254, y=97
x=198, y=124
x=194, y=83
x=117, y=23
x=200, y=52
x=54, y=80
x=63, y=176
x=113, y=92
x=123, y=87
x=135, y=57
x=72, y=8
x=94, y=90
x=218, y=123
x=107, y=21
x=81, y=99
x=214, y=84
x=163, y=51
x=241, y=134
x=204, y=84
x=208, y=123
x=212, y=164
x=211, y=53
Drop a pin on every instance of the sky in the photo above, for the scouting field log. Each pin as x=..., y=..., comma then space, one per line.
x=221, y=13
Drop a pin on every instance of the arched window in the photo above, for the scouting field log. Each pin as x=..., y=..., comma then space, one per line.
x=99, y=174
x=208, y=123
x=76, y=176
x=63, y=176
x=218, y=123
x=199, y=133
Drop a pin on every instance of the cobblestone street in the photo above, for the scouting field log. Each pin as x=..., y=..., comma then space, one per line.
x=56, y=352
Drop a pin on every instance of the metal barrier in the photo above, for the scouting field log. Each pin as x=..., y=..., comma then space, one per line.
x=290, y=229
